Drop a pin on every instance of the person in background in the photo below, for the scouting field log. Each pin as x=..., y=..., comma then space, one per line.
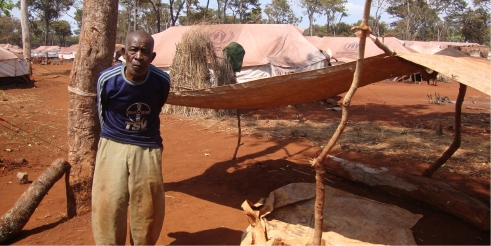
x=128, y=169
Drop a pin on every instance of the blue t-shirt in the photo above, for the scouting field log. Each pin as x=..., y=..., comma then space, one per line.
x=129, y=111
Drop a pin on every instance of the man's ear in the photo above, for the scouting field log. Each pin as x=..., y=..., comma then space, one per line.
x=153, y=56
x=123, y=51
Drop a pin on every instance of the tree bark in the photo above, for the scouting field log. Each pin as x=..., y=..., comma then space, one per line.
x=26, y=42
x=95, y=53
x=135, y=10
x=225, y=11
x=433, y=192
x=457, y=137
x=16, y=218
x=317, y=162
x=156, y=8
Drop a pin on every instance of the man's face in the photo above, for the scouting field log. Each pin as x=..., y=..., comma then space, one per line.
x=138, y=54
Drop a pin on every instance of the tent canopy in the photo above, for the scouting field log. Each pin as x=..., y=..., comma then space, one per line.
x=345, y=49
x=41, y=51
x=12, y=68
x=280, y=45
x=433, y=47
x=12, y=48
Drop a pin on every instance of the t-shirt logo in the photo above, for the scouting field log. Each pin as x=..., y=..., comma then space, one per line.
x=137, y=113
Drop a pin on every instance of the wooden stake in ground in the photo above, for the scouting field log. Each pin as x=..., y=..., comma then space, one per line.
x=457, y=138
x=94, y=54
x=320, y=173
x=16, y=218
x=239, y=137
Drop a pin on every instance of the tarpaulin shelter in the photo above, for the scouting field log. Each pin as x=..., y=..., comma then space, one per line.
x=313, y=40
x=12, y=48
x=68, y=53
x=13, y=68
x=322, y=83
x=270, y=49
x=345, y=49
x=433, y=47
x=41, y=51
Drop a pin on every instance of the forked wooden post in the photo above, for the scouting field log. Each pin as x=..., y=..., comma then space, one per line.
x=457, y=138
x=363, y=31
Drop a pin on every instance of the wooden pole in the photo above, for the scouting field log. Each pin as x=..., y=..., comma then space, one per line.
x=457, y=137
x=239, y=137
x=363, y=31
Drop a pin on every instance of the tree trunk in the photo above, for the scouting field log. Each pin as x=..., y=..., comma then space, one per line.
x=135, y=10
x=156, y=8
x=225, y=11
x=457, y=137
x=95, y=53
x=46, y=34
x=206, y=10
x=16, y=218
x=26, y=42
x=433, y=192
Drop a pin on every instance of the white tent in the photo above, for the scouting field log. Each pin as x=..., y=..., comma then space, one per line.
x=270, y=49
x=12, y=67
x=41, y=51
x=68, y=53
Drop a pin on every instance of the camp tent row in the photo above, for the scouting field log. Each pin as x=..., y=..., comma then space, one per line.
x=68, y=53
x=43, y=51
x=278, y=49
x=270, y=49
x=279, y=58
x=12, y=48
x=345, y=49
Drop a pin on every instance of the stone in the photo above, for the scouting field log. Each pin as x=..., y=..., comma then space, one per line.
x=22, y=178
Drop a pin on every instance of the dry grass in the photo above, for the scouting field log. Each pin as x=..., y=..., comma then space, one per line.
x=419, y=144
x=197, y=66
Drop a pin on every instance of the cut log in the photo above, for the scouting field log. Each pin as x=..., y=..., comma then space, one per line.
x=16, y=218
x=433, y=192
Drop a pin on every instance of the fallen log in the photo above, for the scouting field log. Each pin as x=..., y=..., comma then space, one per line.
x=430, y=191
x=16, y=218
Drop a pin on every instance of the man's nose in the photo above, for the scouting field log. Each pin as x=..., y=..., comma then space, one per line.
x=138, y=55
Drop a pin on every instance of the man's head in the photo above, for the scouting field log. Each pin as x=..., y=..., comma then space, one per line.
x=138, y=53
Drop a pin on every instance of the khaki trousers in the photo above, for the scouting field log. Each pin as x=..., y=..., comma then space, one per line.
x=127, y=175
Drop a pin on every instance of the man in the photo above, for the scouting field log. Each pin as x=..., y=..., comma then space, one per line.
x=128, y=169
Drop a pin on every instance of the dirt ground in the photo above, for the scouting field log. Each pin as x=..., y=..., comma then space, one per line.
x=392, y=124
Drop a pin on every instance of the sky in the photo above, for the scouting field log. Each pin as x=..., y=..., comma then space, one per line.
x=354, y=10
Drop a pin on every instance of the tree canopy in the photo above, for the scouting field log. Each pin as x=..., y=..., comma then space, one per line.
x=423, y=20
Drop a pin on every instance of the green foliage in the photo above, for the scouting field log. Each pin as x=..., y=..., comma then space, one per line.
x=78, y=18
x=340, y=29
x=6, y=6
x=243, y=11
x=279, y=12
x=11, y=30
x=48, y=11
x=475, y=26
x=62, y=30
